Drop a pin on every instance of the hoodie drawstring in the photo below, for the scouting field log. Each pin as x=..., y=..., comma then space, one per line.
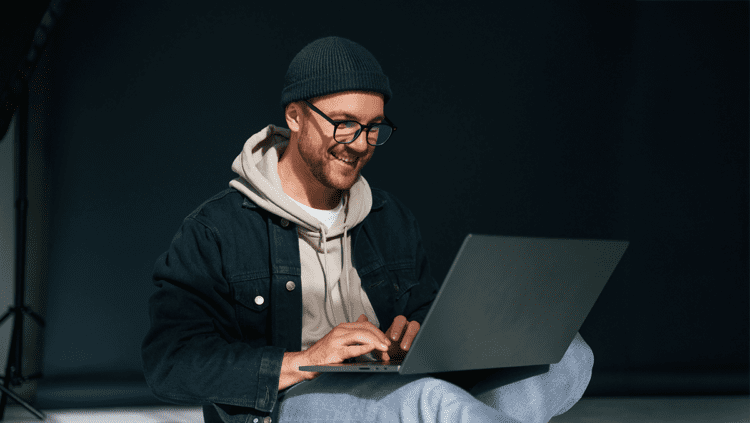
x=345, y=286
x=324, y=248
x=329, y=287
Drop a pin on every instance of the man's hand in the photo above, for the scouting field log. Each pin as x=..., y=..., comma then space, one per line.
x=402, y=333
x=347, y=340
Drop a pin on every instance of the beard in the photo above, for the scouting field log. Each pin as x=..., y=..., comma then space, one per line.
x=322, y=166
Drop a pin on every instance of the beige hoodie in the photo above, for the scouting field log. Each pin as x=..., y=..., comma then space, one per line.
x=331, y=289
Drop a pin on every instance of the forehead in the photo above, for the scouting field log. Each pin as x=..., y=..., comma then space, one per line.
x=362, y=104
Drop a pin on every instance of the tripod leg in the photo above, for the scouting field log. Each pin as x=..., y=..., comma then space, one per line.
x=9, y=373
x=26, y=405
x=12, y=371
x=5, y=316
x=37, y=318
x=3, y=401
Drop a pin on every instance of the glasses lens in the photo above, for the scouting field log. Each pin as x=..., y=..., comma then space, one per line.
x=379, y=134
x=346, y=131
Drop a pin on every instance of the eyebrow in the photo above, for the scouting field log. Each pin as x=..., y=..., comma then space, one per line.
x=348, y=116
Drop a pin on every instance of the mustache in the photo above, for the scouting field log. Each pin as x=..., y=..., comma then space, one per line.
x=343, y=150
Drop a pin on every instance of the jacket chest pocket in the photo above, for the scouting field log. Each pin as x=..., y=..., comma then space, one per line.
x=251, y=306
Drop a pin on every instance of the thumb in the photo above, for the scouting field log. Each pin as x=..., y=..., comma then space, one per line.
x=362, y=318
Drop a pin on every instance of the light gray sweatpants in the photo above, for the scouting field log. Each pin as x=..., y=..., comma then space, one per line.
x=373, y=397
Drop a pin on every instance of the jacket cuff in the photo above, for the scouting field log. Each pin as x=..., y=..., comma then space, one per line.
x=268, y=378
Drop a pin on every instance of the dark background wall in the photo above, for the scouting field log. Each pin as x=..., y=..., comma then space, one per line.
x=587, y=120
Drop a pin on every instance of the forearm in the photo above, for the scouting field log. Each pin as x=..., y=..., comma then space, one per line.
x=290, y=373
x=207, y=369
x=189, y=358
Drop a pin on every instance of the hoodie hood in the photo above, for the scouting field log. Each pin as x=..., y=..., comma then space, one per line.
x=259, y=180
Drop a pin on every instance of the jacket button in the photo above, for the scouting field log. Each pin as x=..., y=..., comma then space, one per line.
x=284, y=223
x=259, y=300
x=290, y=286
x=255, y=420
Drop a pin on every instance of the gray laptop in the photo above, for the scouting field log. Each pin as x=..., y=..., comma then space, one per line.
x=505, y=302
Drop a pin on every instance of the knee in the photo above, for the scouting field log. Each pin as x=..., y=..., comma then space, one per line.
x=578, y=360
x=582, y=352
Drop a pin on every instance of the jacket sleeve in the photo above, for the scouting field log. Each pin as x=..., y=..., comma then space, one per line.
x=193, y=352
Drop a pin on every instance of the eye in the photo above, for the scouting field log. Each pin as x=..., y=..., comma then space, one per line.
x=349, y=124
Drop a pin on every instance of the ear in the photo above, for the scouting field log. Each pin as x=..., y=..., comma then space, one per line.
x=294, y=115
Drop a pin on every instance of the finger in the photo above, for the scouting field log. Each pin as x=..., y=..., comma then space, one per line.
x=409, y=335
x=363, y=337
x=371, y=328
x=379, y=355
x=357, y=350
x=397, y=327
x=388, y=332
x=362, y=318
x=383, y=355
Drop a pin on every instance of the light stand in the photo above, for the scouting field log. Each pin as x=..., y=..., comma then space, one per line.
x=13, y=374
x=16, y=93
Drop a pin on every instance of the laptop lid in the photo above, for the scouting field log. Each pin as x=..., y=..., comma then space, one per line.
x=511, y=301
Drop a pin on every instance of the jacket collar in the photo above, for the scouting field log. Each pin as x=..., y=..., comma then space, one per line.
x=378, y=201
x=247, y=204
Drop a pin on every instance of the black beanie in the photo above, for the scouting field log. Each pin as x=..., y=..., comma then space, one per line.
x=331, y=65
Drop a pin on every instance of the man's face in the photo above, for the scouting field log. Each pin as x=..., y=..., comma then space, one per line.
x=335, y=165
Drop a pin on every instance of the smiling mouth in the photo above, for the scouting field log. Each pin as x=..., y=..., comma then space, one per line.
x=350, y=162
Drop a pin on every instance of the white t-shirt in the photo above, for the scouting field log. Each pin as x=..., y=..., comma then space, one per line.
x=326, y=217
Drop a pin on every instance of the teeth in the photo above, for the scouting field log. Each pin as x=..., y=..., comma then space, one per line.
x=343, y=160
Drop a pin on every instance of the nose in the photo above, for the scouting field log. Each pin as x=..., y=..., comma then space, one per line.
x=360, y=144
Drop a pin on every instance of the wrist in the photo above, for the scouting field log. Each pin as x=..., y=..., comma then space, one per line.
x=290, y=372
x=292, y=362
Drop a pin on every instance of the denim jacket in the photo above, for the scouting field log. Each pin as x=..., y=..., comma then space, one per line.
x=225, y=311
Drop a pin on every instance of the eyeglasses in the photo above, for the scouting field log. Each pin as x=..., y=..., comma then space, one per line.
x=346, y=131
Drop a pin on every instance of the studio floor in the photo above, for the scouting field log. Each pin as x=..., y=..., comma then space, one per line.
x=721, y=409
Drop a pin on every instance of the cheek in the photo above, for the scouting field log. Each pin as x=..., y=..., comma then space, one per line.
x=311, y=147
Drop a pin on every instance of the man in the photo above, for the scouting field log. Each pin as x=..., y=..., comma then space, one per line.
x=301, y=262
